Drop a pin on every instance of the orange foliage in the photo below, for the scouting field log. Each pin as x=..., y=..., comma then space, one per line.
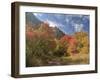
x=69, y=39
x=70, y=43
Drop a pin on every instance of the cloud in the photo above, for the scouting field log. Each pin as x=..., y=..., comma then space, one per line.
x=38, y=14
x=51, y=24
x=78, y=27
x=67, y=20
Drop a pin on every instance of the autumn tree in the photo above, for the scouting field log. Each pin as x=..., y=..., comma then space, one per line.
x=69, y=43
x=40, y=45
x=83, y=42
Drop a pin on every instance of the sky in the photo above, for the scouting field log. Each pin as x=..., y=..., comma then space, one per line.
x=67, y=23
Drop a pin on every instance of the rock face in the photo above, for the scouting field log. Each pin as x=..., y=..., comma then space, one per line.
x=30, y=18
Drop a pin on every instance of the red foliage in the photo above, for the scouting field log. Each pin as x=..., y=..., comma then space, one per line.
x=69, y=39
x=31, y=35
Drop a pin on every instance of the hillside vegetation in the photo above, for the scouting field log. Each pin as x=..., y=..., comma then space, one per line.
x=47, y=46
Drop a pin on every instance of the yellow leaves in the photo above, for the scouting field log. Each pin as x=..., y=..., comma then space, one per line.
x=68, y=51
x=85, y=50
x=83, y=40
